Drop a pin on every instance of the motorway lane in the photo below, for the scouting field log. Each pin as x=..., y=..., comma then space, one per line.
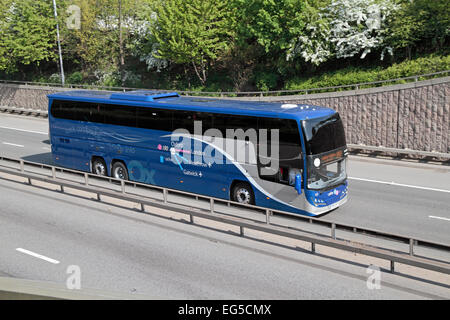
x=123, y=251
x=397, y=210
x=421, y=213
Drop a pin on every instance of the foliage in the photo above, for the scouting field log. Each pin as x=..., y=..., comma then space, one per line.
x=27, y=33
x=234, y=45
x=353, y=75
x=75, y=78
x=266, y=81
x=419, y=21
x=191, y=31
x=270, y=23
x=359, y=26
x=313, y=44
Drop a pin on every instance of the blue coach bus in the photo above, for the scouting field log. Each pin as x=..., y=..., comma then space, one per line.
x=294, y=155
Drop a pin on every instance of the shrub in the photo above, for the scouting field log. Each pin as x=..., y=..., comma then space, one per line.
x=266, y=81
x=346, y=76
x=75, y=78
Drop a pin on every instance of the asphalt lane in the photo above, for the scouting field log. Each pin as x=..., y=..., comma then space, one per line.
x=118, y=250
x=397, y=210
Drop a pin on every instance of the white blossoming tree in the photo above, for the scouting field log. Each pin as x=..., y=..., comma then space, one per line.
x=343, y=29
x=144, y=45
x=359, y=26
x=313, y=45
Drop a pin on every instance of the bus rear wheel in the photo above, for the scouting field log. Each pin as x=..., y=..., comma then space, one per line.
x=119, y=171
x=99, y=167
x=243, y=193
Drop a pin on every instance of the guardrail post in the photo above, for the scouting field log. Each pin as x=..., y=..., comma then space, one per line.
x=211, y=205
x=333, y=230
x=267, y=216
x=241, y=231
x=53, y=173
x=122, y=184
x=22, y=166
x=86, y=181
x=392, y=267
x=313, y=247
x=165, y=195
x=142, y=207
x=411, y=247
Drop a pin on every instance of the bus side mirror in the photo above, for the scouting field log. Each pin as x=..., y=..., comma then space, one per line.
x=298, y=183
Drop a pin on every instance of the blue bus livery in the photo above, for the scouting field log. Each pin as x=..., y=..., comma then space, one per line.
x=295, y=155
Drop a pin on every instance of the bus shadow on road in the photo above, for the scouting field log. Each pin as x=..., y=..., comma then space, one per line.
x=43, y=158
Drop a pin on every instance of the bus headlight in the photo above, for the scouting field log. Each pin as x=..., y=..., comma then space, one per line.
x=317, y=162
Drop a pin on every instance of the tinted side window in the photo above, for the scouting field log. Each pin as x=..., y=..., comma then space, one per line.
x=206, y=119
x=119, y=115
x=64, y=110
x=226, y=121
x=290, y=154
x=155, y=119
x=74, y=110
x=56, y=109
x=81, y=111
x=183, y=120
x=96, y=113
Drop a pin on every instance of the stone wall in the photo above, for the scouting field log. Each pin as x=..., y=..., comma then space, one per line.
x=414, y=115
x=26, y=96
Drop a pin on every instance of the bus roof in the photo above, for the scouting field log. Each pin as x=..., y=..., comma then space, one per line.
x=171, y=100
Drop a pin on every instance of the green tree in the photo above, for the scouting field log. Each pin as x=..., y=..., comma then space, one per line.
x=421, y=24
x=92, y=45
x=102, y=45
x=435, y=17
x=270, y=23
x=265, y=30
x=193, y=32
x=27, y=33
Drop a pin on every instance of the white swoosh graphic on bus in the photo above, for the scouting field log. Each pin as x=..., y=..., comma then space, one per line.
x=124, y=138
x=241, y=169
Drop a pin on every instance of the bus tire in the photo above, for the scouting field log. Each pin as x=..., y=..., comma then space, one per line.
x=119, y=171
x=99, y=167
x=242, y=193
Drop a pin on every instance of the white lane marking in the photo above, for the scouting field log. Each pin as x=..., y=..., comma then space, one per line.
x=31, y=131
x=400, y=184
x=440, y=218
x=37, y=255
x=13, y=144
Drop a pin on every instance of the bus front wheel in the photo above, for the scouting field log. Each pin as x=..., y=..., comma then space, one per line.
x=119, y=171
x=243, y=193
